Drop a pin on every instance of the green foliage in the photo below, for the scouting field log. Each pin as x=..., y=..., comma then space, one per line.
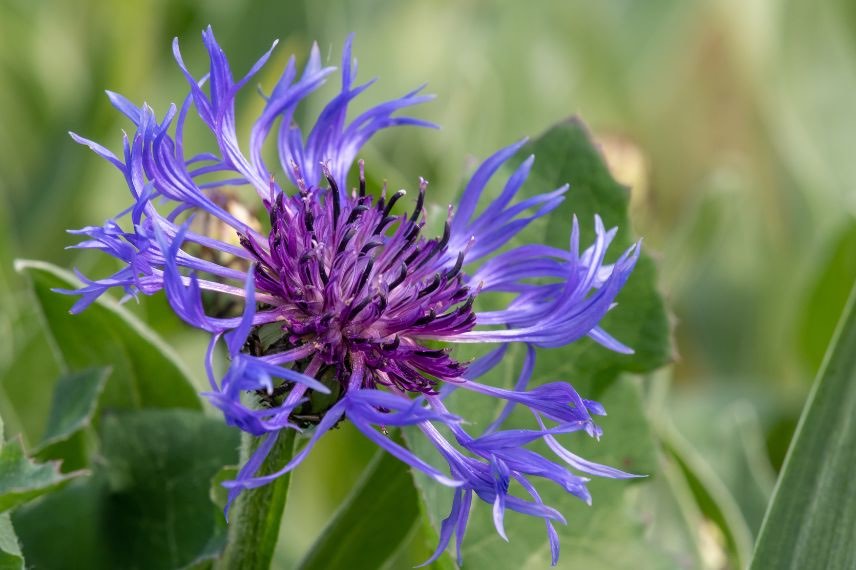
x=370, y=526
x=22, y=480
x=146, y=505
x=566, y=154
x=146, y=372
x=10, y=550
x=811, y=520
x=75, y=400
x=827, y=295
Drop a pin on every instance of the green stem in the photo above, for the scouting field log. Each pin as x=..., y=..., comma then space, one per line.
x=254, y=518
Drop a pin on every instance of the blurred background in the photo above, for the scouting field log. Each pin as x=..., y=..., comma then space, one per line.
x=732, y=122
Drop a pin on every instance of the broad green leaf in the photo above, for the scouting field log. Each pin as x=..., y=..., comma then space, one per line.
x=565, y=154
x=67, y=529
x=372, y=523
x=147, y=505
x=811, y=520
x=75, y=400
x=146, y=372
x=22, y=480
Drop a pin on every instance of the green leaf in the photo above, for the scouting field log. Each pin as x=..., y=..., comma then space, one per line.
x=146, y=372
x=370, y=526
x=566, y=154
x=827, y=295
x=22, y=480
x=75, y=400
x=147, y=505
x=66, y=529
x=811, y=520
x=10, y=550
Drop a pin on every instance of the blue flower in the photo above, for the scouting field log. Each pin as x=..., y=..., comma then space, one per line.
x=345, y=299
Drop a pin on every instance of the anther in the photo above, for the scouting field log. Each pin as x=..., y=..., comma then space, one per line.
x=365, y=275
x=391, y=346
x=447, y=232
x=355, y=309
x=385, y=221
x=334, y=193
x=420, y=200
x=355, y=213
x=425, y=319
x=459, y=263
x=411, y=235
x=413, y=255
x=345, y=239
x=402, y=275
x=370, y=245
x=431, y=287
x=392, y=200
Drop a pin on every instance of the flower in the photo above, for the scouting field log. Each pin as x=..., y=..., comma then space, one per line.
x=346, y=302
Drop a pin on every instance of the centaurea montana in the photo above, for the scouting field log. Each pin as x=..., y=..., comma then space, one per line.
x=345, y=299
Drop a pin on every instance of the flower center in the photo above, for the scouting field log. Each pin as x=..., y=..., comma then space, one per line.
x=349, y=277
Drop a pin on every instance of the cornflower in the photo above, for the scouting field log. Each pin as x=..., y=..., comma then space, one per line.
x=349, y=310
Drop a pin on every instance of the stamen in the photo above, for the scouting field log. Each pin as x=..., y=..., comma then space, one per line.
x=459, y=263
x=420, y=200
x=431, y=287
x=355, y=213
x=370, y=245
x=402, y=275
x=393, y=199
x=349, y=233
x=425, y=319
x=334, y=194
x=364, y=277
x=385, y=221
x=355, y=310
x=391, y=346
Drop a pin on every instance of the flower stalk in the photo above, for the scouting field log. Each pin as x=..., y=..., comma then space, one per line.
x=255, y=517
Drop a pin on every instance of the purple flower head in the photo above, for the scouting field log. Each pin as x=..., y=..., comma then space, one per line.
x=344, y=309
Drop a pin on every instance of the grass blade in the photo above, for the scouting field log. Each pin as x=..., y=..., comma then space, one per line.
x=811, y=520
